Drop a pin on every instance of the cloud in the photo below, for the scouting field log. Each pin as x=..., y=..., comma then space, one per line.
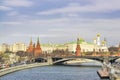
x=60, y=22
x=65, y=27
x=64, y=23
x=36, y=35
x=5, y=8
x=16, y=14
x=62, y=29
x=101, y=6
x=13, y=13
x=18, y=3
x=10, y=23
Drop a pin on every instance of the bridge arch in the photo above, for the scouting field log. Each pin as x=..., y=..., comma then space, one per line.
x=40, y=60
x=114, y=59
x=63, y=60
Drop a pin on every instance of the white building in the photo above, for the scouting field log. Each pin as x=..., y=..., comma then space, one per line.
x=51, y=47
x=18, y=47
x=96, y=46
x=4, y=47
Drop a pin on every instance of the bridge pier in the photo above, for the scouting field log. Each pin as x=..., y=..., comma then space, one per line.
x=49, y=60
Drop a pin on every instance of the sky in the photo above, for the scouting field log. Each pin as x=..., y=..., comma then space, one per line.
x=59, y=21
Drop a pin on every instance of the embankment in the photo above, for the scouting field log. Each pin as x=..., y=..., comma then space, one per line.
x=21, y=67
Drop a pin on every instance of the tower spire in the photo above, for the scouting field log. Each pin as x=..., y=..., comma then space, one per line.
x=78, y=41
x=38, y=50
x=30, y=47
x=78, y=49
x=31, y=41
x=38, y=41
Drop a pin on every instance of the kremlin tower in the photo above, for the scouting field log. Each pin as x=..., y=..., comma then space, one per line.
x=78, y=49
x=31, y=47
x=35, y=50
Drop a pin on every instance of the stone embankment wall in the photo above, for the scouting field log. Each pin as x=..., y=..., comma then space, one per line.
x=20, y=67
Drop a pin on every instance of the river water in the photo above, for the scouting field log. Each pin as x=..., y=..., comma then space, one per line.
x=55, y=73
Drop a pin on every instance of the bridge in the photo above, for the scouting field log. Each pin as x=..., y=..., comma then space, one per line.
x=61, y=60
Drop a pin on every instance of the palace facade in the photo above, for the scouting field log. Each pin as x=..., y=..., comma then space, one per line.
x=97, y=45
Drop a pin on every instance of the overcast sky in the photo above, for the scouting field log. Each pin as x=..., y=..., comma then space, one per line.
x=59, y=21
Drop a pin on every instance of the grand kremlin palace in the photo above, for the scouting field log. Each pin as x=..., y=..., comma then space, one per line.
x=97, y=45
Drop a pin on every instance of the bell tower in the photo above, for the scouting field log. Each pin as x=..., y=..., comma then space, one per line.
x=98, y=39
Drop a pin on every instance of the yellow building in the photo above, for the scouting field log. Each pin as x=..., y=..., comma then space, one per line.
x=4, y=47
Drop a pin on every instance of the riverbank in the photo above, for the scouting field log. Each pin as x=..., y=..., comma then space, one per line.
x=21, y=67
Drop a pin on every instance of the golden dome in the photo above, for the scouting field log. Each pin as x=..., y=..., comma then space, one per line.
x=103, y=42
x=98, y=35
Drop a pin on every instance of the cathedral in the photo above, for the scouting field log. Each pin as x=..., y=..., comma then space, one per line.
x=34, y=50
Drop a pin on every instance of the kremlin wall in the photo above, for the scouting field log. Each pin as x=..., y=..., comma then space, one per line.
x=97, y=45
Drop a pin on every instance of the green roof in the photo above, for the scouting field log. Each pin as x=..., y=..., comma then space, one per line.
x=81, y=40
x=47, y=45
x=51, y=45
x=89, y=42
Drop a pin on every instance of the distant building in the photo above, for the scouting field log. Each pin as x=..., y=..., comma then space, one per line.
x=4, y=47
x=13, y=58
x=31, y=47
x=49, y=48
x=37, y=50
x=78, y=48
x=34, y=50
x=96, y=46
x=18, y=47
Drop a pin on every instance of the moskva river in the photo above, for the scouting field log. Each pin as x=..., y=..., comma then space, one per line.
x=55, y=73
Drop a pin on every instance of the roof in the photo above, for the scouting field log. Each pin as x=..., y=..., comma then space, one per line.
x=81, y=41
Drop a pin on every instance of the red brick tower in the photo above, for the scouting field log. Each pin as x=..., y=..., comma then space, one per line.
x=78, y=49
x=37, y=50
x=30, y=47
x=34, y=50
